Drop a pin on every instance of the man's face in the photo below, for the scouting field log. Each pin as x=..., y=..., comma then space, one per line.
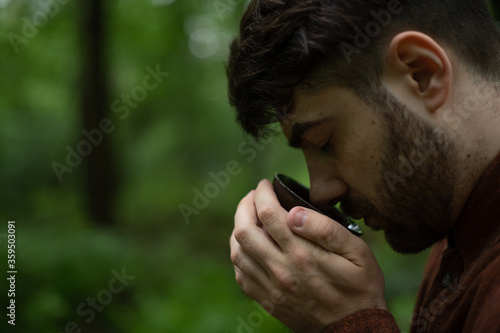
x=383, y=163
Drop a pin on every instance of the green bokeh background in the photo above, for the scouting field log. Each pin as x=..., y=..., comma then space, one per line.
x=163, y=151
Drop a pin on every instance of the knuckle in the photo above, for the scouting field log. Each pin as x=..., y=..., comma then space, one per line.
x=235, y=258
x=240, y=234
x=326, y=231
x=286, y=281
x=305, y=262
x=361, y=251
x=277, y=296
x=266, y=213
x=241, y=205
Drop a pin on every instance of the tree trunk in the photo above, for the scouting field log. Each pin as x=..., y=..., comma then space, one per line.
x=495, y=4
x=99, y=173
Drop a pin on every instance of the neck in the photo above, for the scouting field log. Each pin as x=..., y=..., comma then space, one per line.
x=477, y=137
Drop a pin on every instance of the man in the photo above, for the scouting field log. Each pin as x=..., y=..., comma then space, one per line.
x=395, y=106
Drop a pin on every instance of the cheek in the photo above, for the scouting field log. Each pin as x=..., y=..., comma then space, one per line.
x=361, y=162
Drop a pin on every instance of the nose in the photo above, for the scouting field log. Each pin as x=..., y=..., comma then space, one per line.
x=327, y=188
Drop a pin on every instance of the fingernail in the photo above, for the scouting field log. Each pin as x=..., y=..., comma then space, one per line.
x=300, y=218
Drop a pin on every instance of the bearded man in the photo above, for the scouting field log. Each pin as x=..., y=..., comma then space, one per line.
x=394, y=105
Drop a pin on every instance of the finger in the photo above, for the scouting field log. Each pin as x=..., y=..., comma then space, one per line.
x=328, y=234
x=246, y=264
x=246, y=204
x=249, y=287
x=272, y=215
x=253, y=239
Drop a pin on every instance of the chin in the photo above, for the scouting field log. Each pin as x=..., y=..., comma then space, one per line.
x=411, y=242
x=412, y=234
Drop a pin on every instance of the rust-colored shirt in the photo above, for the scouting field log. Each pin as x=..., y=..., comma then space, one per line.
x=460, y=291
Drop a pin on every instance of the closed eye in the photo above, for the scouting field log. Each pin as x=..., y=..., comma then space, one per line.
x=325, y=148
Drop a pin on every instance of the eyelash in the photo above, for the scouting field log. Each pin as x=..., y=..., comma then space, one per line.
x=325, y=147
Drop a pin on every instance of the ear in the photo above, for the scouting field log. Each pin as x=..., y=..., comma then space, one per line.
x=419, y=66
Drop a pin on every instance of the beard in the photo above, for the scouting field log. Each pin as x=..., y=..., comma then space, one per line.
x=414, y=207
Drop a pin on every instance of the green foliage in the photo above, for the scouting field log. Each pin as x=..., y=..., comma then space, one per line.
x=175, y=288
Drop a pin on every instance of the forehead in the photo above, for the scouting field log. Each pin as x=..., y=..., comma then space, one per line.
x=312, y=107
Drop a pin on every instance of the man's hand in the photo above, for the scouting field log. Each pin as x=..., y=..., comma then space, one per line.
x=308, y=278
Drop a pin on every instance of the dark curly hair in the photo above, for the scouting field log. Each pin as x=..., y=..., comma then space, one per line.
x=307, y=44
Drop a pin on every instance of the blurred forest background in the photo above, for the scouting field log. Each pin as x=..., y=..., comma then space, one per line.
x=122, y=165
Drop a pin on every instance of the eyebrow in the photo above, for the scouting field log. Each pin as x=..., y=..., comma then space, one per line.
x=299, y=129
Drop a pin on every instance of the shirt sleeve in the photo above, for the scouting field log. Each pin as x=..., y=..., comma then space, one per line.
x=366, y=321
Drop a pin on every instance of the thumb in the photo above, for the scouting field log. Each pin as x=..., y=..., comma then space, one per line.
x=326, y=233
